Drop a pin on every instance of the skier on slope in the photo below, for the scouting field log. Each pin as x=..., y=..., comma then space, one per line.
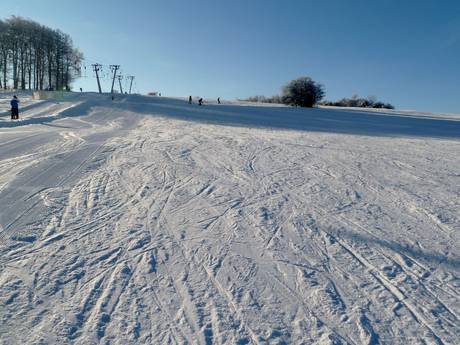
x=14, y=108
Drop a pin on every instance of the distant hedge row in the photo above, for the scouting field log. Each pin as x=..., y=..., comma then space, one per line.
x=358, y=102
x=305, y=92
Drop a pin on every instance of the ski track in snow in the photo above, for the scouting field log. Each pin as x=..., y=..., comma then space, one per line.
x=125, y=223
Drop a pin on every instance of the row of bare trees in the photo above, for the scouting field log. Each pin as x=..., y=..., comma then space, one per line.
x=35, y=57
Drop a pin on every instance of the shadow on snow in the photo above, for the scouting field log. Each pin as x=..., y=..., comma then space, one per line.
x=303, y=119
x=323, y=120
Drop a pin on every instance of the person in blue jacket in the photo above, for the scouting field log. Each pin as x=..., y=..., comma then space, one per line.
x=14, y=108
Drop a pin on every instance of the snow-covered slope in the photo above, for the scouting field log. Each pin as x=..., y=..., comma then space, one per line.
x=152, y=221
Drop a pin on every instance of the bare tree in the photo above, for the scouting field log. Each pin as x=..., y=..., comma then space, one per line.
x=30, y=51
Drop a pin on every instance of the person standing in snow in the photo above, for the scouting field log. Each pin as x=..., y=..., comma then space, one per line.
x=200, y=101
x=189, y=99
x=14, y=108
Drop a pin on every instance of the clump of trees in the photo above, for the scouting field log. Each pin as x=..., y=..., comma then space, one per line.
x=302, y=92
x=33, y=56
x=263, y=99
x=359, y=102
x=305, y=92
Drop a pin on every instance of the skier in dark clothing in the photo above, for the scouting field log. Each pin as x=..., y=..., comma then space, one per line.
x=200, y=101
x=189, y=99
x=14, y=108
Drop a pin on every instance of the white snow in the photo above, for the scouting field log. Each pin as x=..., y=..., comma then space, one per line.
x=151, y=221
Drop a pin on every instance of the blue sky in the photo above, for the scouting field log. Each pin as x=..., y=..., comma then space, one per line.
x=403, y=52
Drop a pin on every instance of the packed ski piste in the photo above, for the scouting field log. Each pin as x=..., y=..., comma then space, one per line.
x=156, y=220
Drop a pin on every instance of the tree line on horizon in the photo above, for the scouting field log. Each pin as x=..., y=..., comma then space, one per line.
x=36, y=57
x=358, y=102
x=305, y=92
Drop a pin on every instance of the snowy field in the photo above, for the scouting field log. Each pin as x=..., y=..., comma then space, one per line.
x=152, y=221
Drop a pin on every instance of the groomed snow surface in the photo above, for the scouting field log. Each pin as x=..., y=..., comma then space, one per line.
x=147, y=220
